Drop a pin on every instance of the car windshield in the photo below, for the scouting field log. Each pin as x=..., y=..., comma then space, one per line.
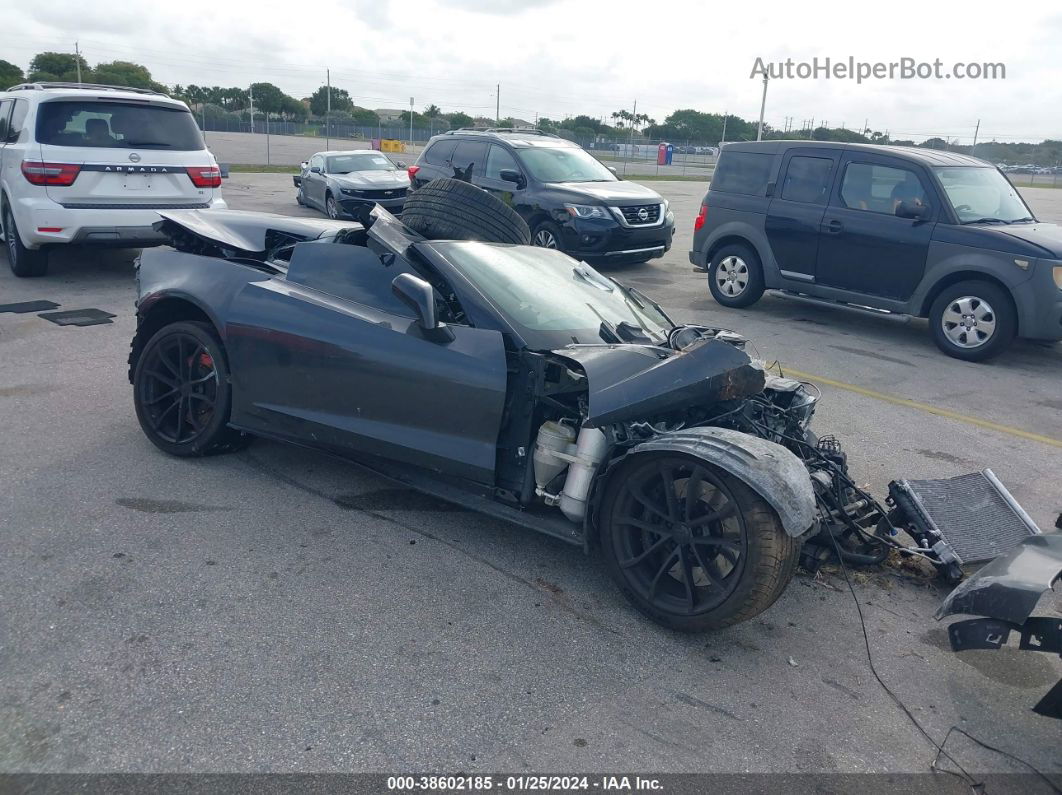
x=552, y=300
x=366, y=161
x=982, y=195
x=121, y=125
x=567, y=164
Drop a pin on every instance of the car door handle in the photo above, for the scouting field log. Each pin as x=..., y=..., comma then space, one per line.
x=833, y=227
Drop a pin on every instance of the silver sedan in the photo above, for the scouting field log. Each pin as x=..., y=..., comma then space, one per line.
x=330, y=180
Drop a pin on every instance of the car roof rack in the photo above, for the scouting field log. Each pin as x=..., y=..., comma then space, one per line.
x=519, y=130
x=41, y=86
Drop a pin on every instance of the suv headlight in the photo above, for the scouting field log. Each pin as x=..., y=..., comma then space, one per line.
x=1057, y=273
x=586, y=211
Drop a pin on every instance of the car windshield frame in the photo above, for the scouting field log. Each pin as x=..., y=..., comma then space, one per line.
x=533, y=160
x=547, y=299
x=993, y=179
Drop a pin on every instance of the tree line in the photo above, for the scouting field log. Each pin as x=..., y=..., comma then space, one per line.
x=683, y=126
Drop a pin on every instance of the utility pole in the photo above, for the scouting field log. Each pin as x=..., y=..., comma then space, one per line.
x=77, y=59
x=725, y=114
x=328, y=109
x=763, y=105
x=411, y=125
x=977, y=129
x=497, y=104
x=250, y=93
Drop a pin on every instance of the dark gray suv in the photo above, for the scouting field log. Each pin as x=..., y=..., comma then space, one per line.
x=883, y=229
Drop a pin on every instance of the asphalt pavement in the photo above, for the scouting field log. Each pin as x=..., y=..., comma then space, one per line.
x=279, y=610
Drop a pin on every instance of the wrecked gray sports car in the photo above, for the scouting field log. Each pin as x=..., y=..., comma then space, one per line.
x=511, y=379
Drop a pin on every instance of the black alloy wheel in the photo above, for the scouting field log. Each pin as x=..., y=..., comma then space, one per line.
x=691, y=546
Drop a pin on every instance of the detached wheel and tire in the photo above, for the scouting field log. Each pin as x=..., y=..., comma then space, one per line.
x=973, y=321
x=691, y=546
x=24, y=262
x=181, y=391
x=450, y=209
x=735, y=276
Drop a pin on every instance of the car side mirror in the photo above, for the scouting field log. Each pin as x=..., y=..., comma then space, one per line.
x=913, y=209
x=614, y=172
x=400, y=164
x=512, y=175
x=315, y=170
x=419, y=296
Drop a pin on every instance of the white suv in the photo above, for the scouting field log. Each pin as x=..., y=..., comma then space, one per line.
x=81, y=163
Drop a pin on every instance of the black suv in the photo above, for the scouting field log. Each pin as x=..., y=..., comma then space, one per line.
x=883, y=229
x=569, y=199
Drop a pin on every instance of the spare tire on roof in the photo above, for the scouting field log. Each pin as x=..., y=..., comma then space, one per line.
x=449, y=209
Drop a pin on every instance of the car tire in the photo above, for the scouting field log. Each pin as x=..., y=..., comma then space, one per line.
x=960, y=315
x=451, y=209
x=24, y=262
x=181, y=381
x=735, y=276
x=750, y=566
x=332, y=207
x=547, y=235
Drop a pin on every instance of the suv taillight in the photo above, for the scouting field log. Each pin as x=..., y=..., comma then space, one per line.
x=205, y=176
x=56, y=174
x=699, y=221
x=412, y=171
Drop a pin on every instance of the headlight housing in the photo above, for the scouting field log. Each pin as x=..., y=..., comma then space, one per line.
x=586, y=211
x=349, y=191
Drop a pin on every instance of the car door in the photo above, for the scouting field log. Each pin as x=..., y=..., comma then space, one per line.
x=5, y=135
x=329, y=357
x=314, y=182
x=795, y=213
x=865, y=247
x=501, y=159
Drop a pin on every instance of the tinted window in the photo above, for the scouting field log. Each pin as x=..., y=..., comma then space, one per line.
x=879, y=189
x=18, y=118
x=742, y=172
x=498, y=159
x=352, y=273
x=5, y=112
x=438, y=154
x=117, y=124
x=470, y=153
x=807, y=180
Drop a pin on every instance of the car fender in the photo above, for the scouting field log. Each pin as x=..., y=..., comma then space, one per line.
x=749, y=234
x=767, y=468
x=946, y=259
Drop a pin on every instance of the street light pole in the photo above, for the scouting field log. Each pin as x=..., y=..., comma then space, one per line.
x=763, y=104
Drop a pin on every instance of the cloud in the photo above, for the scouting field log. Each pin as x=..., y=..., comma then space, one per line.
x=497, y=7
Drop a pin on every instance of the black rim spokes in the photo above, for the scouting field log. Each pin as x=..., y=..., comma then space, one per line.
x=180, y=388
x=682, y=539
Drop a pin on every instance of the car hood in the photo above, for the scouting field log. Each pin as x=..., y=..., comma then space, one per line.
x=638, y=382
x=372, y=180
x=1030, y=240
x=611, y=192
x=244, y=231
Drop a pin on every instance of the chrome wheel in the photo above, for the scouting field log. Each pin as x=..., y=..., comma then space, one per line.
x=544, y=239
x=969, y=322
x=332, y=208
x=732, y=276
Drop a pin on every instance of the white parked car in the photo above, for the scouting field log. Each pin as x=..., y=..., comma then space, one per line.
x=90, y=164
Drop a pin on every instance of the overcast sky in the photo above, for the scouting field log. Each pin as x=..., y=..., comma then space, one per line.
x=562, y=57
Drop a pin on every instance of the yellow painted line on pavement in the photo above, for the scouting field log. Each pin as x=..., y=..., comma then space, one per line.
x=914, y=404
